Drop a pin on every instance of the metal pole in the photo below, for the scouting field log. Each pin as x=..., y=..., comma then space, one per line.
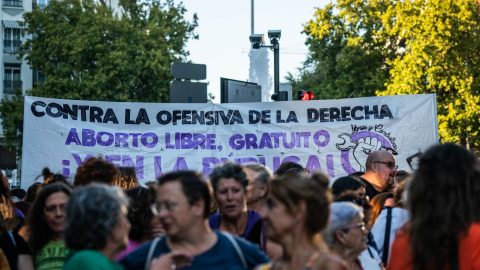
x=252, y=17
x=276, y=63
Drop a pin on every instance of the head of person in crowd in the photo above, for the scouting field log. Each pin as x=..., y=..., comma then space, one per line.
x=127, y=177
x=32, y=191
x=384, y=199
x=444, y=190
x=17, y=194
x=289, y=168
x=346, y=235
x=352, y=196
x=96, y=170
x=6, y=206
x=380, y=170
x=229, y=183
x=46, y=219
x=297, y=210
x=50, y=177
x=400, y=193
x=401, y=176
x=259, y=178
x=143, y=214
x=97, y=220
x=184, y=202
x=347, y=184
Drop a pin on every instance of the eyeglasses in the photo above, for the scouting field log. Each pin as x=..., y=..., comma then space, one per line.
x=169, y=207
x=390, y=165
x=360, y=225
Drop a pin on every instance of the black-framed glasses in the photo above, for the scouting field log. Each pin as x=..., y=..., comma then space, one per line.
x=390, y=165
x=360, y=225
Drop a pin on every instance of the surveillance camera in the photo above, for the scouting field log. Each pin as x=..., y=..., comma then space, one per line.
x=256, y=38
x=274, y=34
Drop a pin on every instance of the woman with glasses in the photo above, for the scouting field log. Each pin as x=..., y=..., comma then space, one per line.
x=46, y=224
x=297, y=210
x=143, y=217
x=346, y=235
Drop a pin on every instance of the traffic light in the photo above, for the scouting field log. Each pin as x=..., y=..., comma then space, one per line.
x=305, y=95
x=280, y=96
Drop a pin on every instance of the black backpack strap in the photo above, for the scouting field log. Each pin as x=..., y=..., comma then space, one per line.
x=386, y=242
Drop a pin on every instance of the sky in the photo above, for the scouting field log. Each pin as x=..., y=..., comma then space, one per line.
x=224, y=30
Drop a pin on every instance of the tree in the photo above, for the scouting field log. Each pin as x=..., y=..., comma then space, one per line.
x=442, y=57
x=87, y=52
x=367, y=47
x=348, y=50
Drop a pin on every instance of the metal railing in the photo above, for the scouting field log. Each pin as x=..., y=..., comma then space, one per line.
x=9, y=86
x=10, y=46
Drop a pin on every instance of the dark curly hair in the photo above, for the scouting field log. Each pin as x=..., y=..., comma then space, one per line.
x=32, y=191
x=96, y=170
x=139, y=211
x=291, y=190
x=37, y=228
x=228, y=170
x=443, y=192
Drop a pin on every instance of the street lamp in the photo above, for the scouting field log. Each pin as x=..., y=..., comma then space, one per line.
x=257, y=43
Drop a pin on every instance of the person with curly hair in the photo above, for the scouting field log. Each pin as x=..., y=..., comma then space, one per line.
x=444, y=229
x=143, y=216
x=45, y=226
x=96, y=170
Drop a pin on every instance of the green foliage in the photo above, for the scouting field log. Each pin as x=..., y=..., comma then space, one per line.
x=87, y=52
x=11, y=113
x=382, y=47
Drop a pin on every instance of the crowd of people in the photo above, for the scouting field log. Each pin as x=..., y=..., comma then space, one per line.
x=246, y=217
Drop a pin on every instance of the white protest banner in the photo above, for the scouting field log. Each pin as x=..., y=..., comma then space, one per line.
x=330, y=135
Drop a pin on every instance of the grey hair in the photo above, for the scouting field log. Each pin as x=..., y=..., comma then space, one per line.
x=92, y=213
x=264, y=173
x=341, y=215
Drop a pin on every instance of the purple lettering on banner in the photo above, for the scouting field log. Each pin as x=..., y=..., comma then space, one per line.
x=313, y=164
x=73, y=137
x=168, y=145
x=276, y=139
x=292, y=141
x=246, y=160
x=251, y=141
x=306, y=136
x=157, y=165
x=236, y=142
x=121, y=138
x=112, y=158
x=180, y=164
x=297, y=140
x=211, y=141
x=128, y=162
x=318, y=134
x=276, y=163
x=100, y=138
x=265, y=141
x=79, y=160
x=144, y=140
x=198, y=140
x=135, y=139
x=330, y=167
x=208, y=164
x=186, y=140
x=88, y=137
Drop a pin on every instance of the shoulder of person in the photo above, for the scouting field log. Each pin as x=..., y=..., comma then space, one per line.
x=253, y=255
x=137, y=259
x=329, y=262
